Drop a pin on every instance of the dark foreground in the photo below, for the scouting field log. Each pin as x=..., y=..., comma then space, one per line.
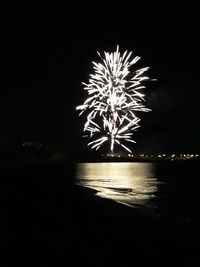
x=48, y=221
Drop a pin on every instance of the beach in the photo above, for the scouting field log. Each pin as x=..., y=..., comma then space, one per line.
x=47, y=220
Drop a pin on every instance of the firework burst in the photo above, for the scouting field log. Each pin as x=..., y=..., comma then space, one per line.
x=114, y=98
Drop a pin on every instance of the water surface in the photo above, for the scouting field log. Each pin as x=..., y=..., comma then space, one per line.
x=129, y=183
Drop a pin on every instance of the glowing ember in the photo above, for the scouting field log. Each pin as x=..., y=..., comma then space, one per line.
x=115, y=96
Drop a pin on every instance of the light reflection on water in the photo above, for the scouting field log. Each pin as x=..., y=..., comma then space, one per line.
x=130, y=183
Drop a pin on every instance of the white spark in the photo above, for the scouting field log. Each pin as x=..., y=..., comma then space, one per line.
x=114, y=99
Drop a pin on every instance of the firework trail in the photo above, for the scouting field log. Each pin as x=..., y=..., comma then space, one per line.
x=114, y=98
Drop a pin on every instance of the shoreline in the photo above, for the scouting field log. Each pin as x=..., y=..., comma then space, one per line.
x=45, y=210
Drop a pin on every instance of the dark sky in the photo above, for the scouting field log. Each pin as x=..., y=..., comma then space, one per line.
x=47, y=53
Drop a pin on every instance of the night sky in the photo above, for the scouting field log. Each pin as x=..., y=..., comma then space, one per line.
x=47, y=53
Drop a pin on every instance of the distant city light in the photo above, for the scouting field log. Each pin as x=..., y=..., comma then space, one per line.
x=157, y=156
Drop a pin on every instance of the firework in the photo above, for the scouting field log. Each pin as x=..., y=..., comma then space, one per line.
x=114, y=98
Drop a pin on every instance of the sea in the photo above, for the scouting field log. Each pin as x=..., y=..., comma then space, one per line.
x=100, y=213
x=162, y=188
